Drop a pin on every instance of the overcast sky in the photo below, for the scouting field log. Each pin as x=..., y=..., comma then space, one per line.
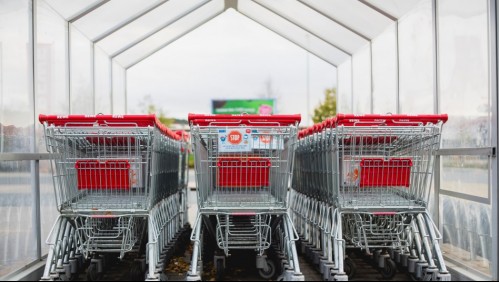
x=231, y=56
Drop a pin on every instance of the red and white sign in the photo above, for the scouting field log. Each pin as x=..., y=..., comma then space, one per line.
x=234, y=140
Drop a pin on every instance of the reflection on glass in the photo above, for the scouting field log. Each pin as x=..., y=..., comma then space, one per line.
x=17, y=238
x=463, y=72
x=467, y=239
x=16, y=102
x=416, y=60
x=466, y=174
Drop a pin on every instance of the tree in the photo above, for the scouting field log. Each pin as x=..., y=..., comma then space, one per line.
x=151, y=108
x=327, y=108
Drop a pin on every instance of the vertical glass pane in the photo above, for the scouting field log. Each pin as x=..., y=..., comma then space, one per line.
x=362, y=81
x=103, y=80
x=416, y=60
x=345, y=87
x=466, y=175
x=467, y=239
x=385, y=72
x=463, y=72
x=17, y=247
x=16, y=99
x=119, y=89
x=51, y=86
x=82, y=98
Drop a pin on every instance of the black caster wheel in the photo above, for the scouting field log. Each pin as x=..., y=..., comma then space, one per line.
x=92, y=274
x=350, y=268
x=220, y=269
x=269, y=274
x=389, y=270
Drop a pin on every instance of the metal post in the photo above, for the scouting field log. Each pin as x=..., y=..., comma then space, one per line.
x=93, y=80
x=35, y=165
x=111, y=88
x=125, y=85
x=494, y=54
x=372, y=76
x=436, y=195
x=68, y=57
x=397, y=80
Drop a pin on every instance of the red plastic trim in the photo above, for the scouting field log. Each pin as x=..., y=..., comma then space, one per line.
x=227, y=120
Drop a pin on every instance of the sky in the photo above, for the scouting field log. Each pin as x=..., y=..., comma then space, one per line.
x=229, y=57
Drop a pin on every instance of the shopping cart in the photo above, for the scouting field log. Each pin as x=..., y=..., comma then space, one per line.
x=116, y=181
x=363, y=182
x=243, y=167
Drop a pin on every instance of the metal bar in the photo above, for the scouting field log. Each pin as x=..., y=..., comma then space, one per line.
x=93, y=79
x=336, y=21
x=153, y=32
x=436, y=193
x=494, y=88
x=27, y=156
x=125, y=85
x=436, y=75
x=128, y=21
x=292, y=41
x=170, y=41
x=87, y=11
x=375, y=8
x=465, y=196
x=305, y=29
x=485, y=151
x=35, y=165
x=397, y=80
x=111, y=81
x=68, y=57
x=372, y=75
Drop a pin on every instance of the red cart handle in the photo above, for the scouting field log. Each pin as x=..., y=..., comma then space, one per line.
x=250, y=120
x=387, y=120
x=109, y=121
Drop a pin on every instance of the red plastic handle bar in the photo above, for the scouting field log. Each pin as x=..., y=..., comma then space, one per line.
x=227, y=120
x=109, y=121
x=388, y=120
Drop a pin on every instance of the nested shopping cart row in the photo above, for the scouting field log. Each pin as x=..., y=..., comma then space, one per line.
x=363, y=182
x=119, y=185
x=243, y=167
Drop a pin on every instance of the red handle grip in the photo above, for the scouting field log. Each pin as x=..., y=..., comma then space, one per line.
x=109, y=121
x=227, y=120
x=388, y=120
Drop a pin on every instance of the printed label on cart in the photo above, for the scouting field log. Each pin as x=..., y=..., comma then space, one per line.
x=267, y=140
x=234, y=140
x=351, y=172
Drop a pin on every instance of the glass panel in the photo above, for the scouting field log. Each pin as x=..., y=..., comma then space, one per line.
x=314, y=22
x=354, y=14
x=293, y=33
x=111, y=15
x=206, y=64
x=82, y=100
x=385, y=72
x=17, y=238
x=416, y=60
x=103, y=80
x=395, y=8
x=69, y=9
x=153, y=21
x=16, y=99
x=169, y=34
x=345, y=96
x=467, y=239
x=119, y=90
x=362, y=81
x=51, y=86
x=466, y=174
x=463, y=72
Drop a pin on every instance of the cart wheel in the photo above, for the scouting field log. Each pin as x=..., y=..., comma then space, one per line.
x=389, y=270
x=270, y=272
x=136, y=273
x=92, y=274
x=220, y=269
x=350, y=268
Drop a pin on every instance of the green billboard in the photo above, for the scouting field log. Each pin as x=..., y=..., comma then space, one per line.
x=253, y=106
